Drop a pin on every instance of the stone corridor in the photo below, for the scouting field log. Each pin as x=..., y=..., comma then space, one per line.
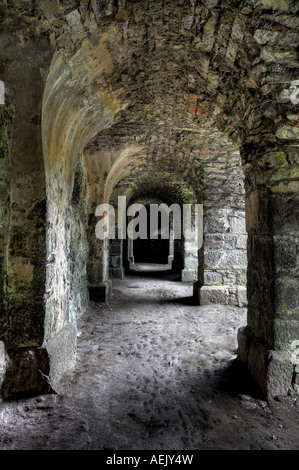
x=111, y=105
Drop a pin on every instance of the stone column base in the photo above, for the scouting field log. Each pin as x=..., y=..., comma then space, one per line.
x=101, y=292
x=188, y=275
x=25, y=373
x=62, y=352
x=117, y=273
x=224, y=295
x=274, y=372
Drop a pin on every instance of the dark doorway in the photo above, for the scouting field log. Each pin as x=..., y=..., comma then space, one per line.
x=153, y=249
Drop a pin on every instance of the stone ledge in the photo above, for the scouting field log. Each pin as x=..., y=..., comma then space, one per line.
x=214, y=295
x=225, y=295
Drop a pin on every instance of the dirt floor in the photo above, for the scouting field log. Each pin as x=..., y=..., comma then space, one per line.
x=153, y=372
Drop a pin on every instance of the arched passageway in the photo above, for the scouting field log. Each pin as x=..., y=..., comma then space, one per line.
x=124, y=95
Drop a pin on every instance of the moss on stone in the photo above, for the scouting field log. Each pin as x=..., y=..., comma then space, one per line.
x=285, y=174
x=279, y=159
x=288, y=133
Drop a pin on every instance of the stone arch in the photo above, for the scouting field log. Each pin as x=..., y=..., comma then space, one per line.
x=196, y=166
x=75, y=108
x=145, y=187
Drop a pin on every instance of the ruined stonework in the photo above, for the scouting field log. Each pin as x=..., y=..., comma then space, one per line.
x=186, y=101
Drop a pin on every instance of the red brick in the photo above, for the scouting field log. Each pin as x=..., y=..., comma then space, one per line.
x=279, y=27
x=122, y=15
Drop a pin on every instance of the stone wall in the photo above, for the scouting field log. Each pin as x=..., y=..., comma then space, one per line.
x=23, y=210
x=225, y=258
x=167, y=80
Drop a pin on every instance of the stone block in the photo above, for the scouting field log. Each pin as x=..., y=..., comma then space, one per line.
x=189, y=275
x=242, y=296
x=238, y=225
x=115, y=250
x=214, y=295
x=74, y=20
x=188, y=21
x=279, y=374
x=213, y=259
x=287, y=296
x=229, y=278
x=263, y=36
x=115, y=261
x=219, y=241
x=117, y=273
x=271, y=370
x=222, y=260
x=287, y=133
x=286, y=250
x=212, y=278
x=231, y=52
x=286, y=331
x=241, y=242
x=62, y=349
x=216, y=224
x=269, y=55
x=241, y=275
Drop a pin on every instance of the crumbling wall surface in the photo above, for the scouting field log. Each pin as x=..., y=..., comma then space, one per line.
x=163, y=70
x=22, y=208
x=76, y=106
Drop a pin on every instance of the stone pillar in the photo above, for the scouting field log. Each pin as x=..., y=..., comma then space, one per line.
x=116, y=267
x=189, y=273
x=130, y=250
x=224, y=258
x=22, y=353
x=100, y=287
x=269, y=344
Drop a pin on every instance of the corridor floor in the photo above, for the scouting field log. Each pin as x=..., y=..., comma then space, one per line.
x=153, y=372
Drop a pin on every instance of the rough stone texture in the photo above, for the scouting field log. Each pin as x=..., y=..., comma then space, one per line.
x=225, y=256
x=61, y=349
x=150, y=381
x=2, y=92
x=161, y=100
x=272, y=370
x=23, y=205
x=26, y=374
